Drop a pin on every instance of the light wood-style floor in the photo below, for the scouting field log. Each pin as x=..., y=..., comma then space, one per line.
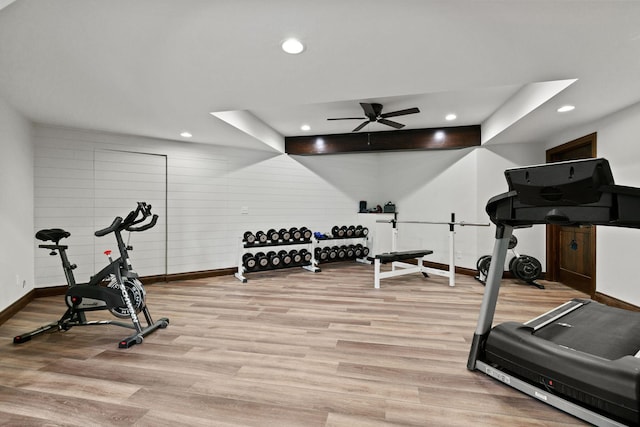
x=288, y=348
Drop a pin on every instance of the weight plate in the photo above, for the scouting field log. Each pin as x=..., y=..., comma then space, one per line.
x=513, y=242
x=527, y=268
x=480, y=261
x=483, y=268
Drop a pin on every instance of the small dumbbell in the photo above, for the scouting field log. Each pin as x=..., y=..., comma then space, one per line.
x=306, y=255
x=274, y=259
x=285, y=258
x=324, y=254
x=295, y=233
x=249, y=261
x=295, y=256
x=306, y=233
x=261, y=237
x=350, y=251
x=358, y=231
x=249, y=237
x=357, y=252
x=351, y=231
x=261, y=260
x=284, y=234
x=273, y=235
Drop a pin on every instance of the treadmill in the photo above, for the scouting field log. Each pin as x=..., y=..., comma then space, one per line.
x=582, y=357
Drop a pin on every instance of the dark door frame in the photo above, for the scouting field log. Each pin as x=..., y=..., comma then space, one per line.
x=553, y=231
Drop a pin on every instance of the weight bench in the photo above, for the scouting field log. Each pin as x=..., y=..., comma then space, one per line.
x=399, y=268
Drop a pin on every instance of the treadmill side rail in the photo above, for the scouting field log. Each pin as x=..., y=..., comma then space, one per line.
x=548, y=398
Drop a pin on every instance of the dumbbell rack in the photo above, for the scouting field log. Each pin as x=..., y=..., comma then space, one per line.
x=343, y=233
x=246, y=247
x=322, y=241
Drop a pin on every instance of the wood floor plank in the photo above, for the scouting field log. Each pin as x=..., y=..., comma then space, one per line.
x=288, y=348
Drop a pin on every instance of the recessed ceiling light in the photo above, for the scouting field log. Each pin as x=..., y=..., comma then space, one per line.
x=566, y=108
x=292, y=46
x=450, y=117
x=305, y=127
x=186, y=135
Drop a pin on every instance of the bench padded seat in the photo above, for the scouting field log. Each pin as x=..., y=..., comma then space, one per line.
x=399, y=256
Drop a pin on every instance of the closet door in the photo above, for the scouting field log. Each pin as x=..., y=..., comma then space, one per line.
x=121, y=179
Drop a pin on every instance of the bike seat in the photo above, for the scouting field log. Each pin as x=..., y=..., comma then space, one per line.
x=53, y=234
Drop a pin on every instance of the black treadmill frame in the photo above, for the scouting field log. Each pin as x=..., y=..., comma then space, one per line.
x=578, y=192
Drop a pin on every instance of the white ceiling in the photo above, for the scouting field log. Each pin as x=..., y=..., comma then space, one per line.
x=158, y=67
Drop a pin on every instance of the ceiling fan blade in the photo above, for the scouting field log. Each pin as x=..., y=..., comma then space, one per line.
x=391, y=123
x=369, y=111
x=363, y=124
x=349, y=118
x=400, y=112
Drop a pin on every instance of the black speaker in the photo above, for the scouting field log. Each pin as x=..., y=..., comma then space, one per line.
x=363, y=206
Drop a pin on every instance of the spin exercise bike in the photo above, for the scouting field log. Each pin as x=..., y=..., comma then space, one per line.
x=116, y=287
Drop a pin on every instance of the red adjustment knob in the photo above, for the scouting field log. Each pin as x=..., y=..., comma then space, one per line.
x=107, y=252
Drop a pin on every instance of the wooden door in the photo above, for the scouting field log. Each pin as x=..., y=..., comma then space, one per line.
x=571, y=251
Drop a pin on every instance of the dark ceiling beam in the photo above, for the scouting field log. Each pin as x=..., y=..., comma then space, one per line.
x=358, y=142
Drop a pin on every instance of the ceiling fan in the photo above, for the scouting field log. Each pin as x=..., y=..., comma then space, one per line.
x=373, y=113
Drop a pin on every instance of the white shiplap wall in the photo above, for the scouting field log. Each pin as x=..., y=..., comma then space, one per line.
x=207, y=190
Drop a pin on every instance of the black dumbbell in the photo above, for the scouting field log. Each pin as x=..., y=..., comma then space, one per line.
x=351, y=231
x=295, y=256
x=365, y=251
x=317, y=251
x=357, y=251
x=295, y=233
x=358, y=231
x=350, y=251
x=273, y=235
x=306, y=255
x=284, y=234
x=261, y=237
x=306, y=233
x=333, y=252
x=365, y=231
x=285, y=258
x=274, y=259
x=249, y=261
x=249, y=237
x=261, y=260
x=342, y=231
x=341, y=252
x=324, y=254
x=334, y=231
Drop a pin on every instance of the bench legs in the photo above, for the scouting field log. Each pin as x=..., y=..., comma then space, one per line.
x=398, y=268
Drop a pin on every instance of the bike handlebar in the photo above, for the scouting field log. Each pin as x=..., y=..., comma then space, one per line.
x=140, y=214
x=113, y=227
x=154, y=219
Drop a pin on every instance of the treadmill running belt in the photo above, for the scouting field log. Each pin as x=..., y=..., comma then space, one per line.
x=596, y=329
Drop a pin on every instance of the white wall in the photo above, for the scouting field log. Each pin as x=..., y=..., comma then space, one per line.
x=208, y=189
x=493, y=160
x=16, y=206
x=430, y=185
x=616, y=249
